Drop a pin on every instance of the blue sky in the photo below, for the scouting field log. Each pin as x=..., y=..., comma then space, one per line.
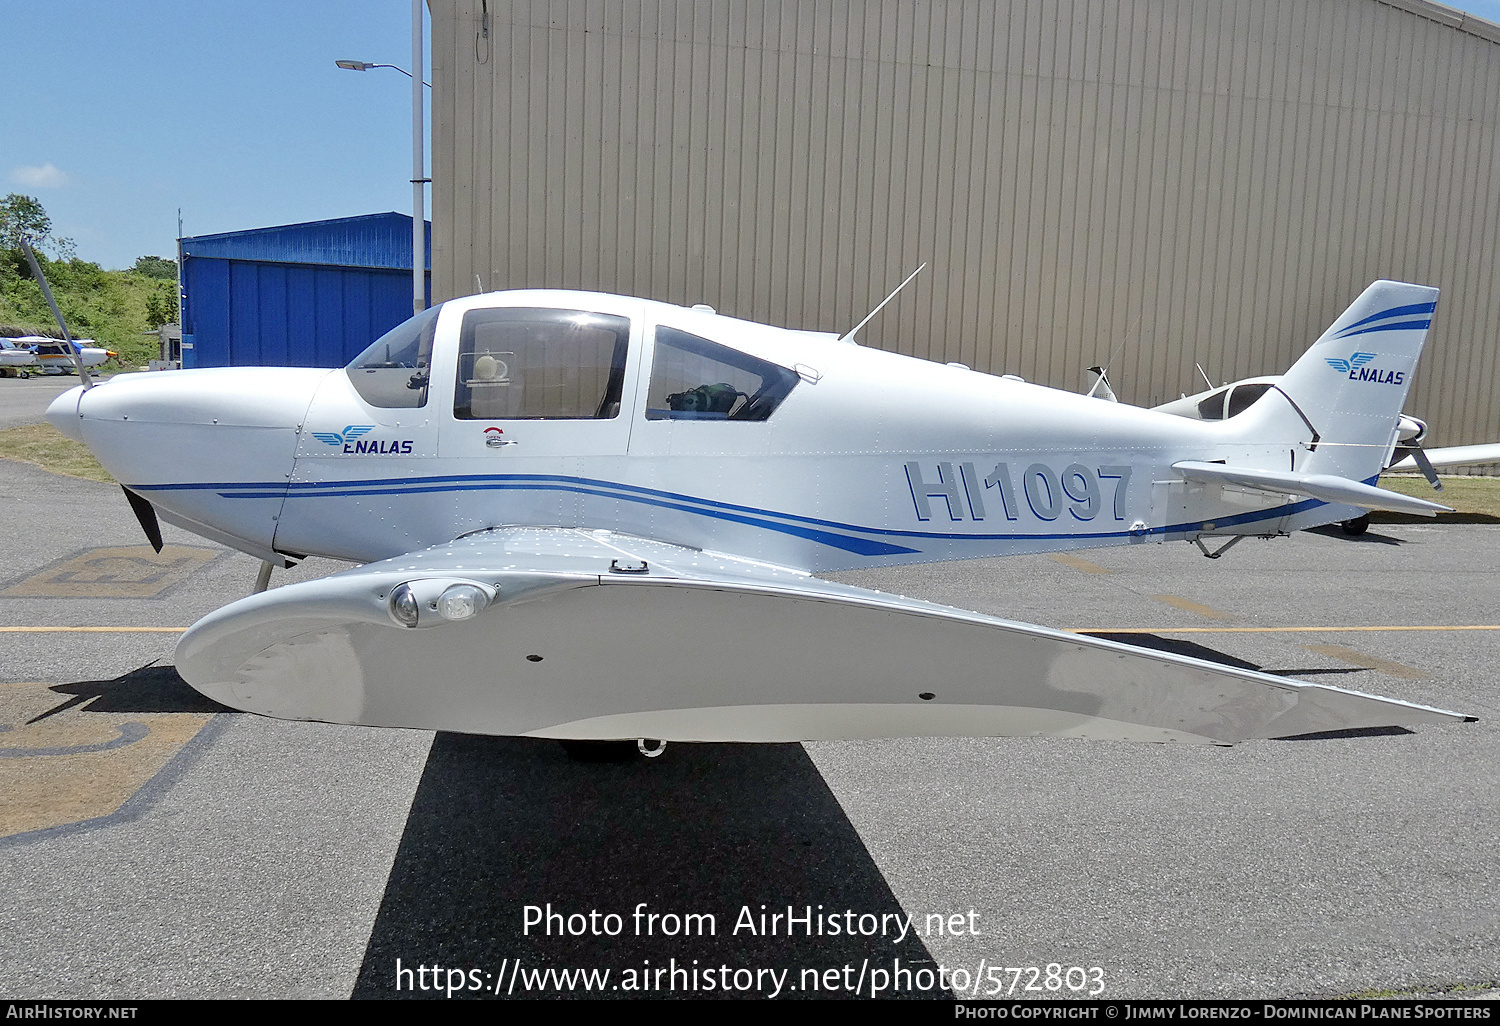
x=118, y=112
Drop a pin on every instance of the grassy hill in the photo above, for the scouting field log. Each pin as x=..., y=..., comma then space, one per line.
x=109, y=306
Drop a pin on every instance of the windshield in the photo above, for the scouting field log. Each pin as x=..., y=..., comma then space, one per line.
x=392, y=373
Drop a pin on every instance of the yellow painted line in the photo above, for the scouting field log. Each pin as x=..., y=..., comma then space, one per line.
x=1080, y=564
x=92, y=630
x=1385, y=666
x=1271, y=630
x=1189, y=606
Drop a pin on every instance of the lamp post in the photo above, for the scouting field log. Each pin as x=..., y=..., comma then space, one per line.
x=418, y=179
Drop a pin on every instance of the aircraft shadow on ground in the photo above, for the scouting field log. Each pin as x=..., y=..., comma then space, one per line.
x=149, y=689
x=498, y=824
x=1179, y=646
x=1441, y=518
x=1368, y=538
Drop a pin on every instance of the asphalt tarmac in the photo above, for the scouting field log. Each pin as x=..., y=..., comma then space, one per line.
x=25, y=400
x=154, y=845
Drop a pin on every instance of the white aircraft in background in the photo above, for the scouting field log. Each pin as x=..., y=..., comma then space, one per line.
x=1408, y=456
x=584, y=516
x=1237, y=396
x=53, y=356
x=15, y=359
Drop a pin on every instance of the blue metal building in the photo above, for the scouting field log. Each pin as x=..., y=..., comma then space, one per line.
x=296, y=295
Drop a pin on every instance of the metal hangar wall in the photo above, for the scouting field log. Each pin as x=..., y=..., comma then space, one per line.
x=296, y=295
x=1145, y=184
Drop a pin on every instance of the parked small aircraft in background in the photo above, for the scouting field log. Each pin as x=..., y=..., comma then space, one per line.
x=1408, y=456
x=54, y=357
x=16, y=359
x=584, y=516
x=1237, y=396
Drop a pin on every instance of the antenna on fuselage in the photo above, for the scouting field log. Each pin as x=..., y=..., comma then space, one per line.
x=1206, y=379
x=849, y=335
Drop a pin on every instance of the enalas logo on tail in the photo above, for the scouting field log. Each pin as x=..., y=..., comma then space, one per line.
x=1357, y=371
x=1408, y=317
x=1353, y=363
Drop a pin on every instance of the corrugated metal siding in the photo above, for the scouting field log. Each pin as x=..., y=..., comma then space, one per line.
x=296, y=295
x=249, y=314
x=369, y=240
x=1148, y=184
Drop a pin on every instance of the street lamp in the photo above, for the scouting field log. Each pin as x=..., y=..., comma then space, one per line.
x=365, y=66
x=418, y=179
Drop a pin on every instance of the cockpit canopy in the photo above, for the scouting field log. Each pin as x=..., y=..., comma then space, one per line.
x=546, y=363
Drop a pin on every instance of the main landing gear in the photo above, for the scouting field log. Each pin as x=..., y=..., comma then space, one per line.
x=1357, y=526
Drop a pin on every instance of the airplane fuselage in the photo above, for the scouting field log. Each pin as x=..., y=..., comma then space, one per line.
x=870, y=459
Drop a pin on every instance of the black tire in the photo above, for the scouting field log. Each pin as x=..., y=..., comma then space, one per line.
x=1357, y=526
x=601, y=751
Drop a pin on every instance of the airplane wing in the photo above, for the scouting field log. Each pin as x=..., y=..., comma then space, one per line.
x=581, y=634
x=1453, y=456
x=1327, y=487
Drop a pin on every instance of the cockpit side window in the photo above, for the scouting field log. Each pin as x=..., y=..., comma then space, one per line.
x=540, y=364
x=695, y=379
x=1212, y=407
x=392, y=373
x=1244, y=396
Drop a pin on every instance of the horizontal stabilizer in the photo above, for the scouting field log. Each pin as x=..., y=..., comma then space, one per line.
x=1327, y=487
x=594, y=635
x=1454, y=456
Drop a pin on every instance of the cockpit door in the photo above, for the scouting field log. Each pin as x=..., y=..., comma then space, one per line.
x=526, y=381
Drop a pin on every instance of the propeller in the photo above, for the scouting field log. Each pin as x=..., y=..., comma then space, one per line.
x=146, y=514
x=1410, y=433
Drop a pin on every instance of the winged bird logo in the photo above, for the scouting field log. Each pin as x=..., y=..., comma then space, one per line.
x=1354, y=362
x=349, y=434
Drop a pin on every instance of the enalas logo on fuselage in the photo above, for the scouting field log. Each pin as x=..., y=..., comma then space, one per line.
x=354, y=445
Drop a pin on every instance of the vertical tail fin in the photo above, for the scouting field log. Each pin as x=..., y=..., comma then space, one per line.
x=1352, y=383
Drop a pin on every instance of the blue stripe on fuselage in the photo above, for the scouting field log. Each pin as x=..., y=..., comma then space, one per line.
x=827, y=532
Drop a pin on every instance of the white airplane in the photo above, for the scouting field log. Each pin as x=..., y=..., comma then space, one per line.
x=15, y=359
x=583, y=516
x=53, y=356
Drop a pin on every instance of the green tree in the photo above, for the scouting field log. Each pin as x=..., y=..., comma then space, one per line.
x=161, y=305
x=156, y=267
x=22, y=217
